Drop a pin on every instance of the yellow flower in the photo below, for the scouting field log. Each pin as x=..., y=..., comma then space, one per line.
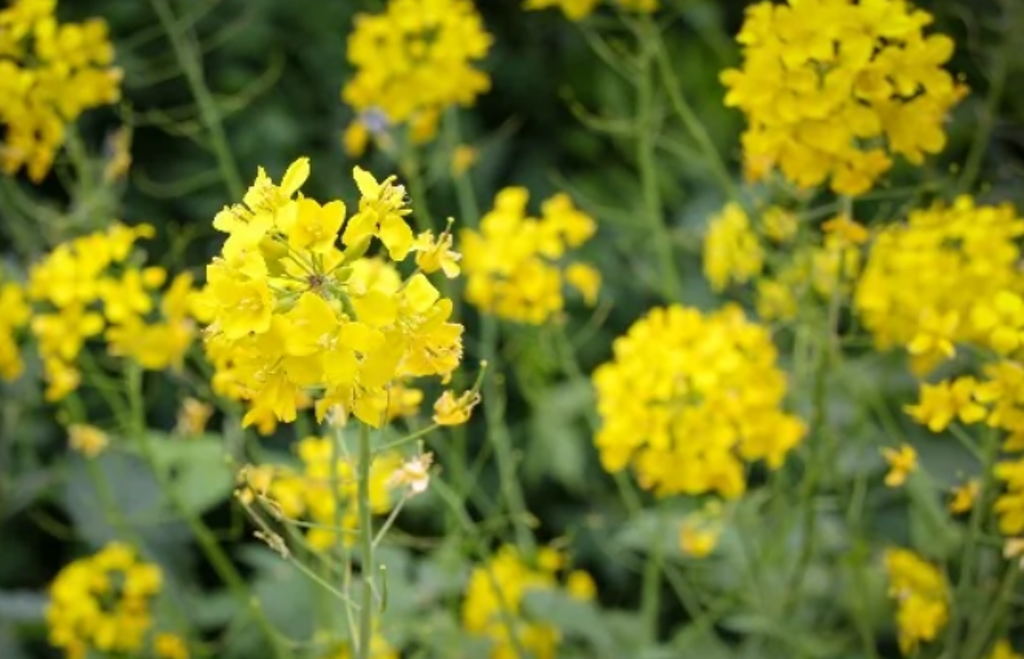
x=88, y=440
x=832, y=89
x=778, y=224
x=464, y=156
x=697, y=541
x=16, y=314
x=170, y=646
x=902, y=462
x=934, y=281
x=516, y=264
x=689, y=399
x=412, y=61
x=577, y=10
x=731, y=250
x=964, y=497
x=1004, y=650
x=192, y=417
x=414, y=474
x=50, y=73
x=433, y=255
x=921, y=594
x=102, y=603
x=948, y=400
x=450, y=410
x=496, y=591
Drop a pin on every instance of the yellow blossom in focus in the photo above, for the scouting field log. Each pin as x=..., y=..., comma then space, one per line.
x=964, y=497
x=496, y=591
x=88, y=440
x=731, y=249
x=921, y=594
x=412, y=61
x=295, y=308
x=516, y=265
x=833, y=89
x=50, y=73
x=101, y=603
x=902, y=462
x=689, y=399
x=170, y=646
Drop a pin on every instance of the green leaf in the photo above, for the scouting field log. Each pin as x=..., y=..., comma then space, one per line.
x=559, y=446
x=197, y=468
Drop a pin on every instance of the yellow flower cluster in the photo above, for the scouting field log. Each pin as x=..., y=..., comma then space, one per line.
x=689, y=398
x=102, y=602
x=577, y=10
x=922, y=598
x=379, y=649
x=16, y=314
x=832, y=89
x=290, y=313
x=50, y=73
x=412, y=61
x=735, y=252
x=307, y=493
x=89, y=285
x=949, y=275
x=170, y=646
x=495, y=595
x=1003, y=649
x=514, y=262
x=997, y=399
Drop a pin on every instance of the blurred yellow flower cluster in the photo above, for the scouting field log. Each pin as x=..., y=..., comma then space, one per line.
x=102, y=602
x=291, y=313
x=379, y=649
x=689, y=398
x=832, y=89
x=50, y=73
x=825, y=263
x=921, y=595
x=412, y=61
x=90, y=284
x=494, y=600
x=16, y=314
x=308, y=493
x=949, y=275
x=515, y=263
x=577, y=10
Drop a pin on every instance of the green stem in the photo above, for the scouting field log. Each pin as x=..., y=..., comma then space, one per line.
x=188, y=59
x=365, y=544
x=660, y=235
x=650, y=595
x=421, y=216
x=990, y=452
x=498, y=434
x=983, y=133
x=340, y=542
x=976, y=642
x=698, y=132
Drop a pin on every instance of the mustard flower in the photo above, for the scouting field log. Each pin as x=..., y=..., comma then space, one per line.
x=921, y=593
x=948, y=276
x=170, y=646
x=102, y=603
x=833, y=89
x=496, y=591
x=732, y=252
x=964, y=497
x=902, y=462
x=88, y=440
x=293, y=307
x=516, y=265
x=16, y=314
x=50, y=73
x=1004, y=650
x=412, y=61
x=689, y=398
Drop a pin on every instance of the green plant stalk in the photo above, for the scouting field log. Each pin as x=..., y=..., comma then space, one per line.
x=650, y=595
x=343, y=551
x=208, y=544
x=990, y=453
x=997, y=85
x=660, y=235
x=208, y=112
x=421, y=217
x=498, y=435
x=365, y=543
x=698, y=132
x=976, y=642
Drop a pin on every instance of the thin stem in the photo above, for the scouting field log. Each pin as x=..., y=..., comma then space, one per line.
x=409, y=438
x=188, y=59
x=498, y=434
x=417, y=191
x=698, y=132
x=365, y=544
x=650, y=596
x=983, y=132
x=660, y=234
x=975, y=645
